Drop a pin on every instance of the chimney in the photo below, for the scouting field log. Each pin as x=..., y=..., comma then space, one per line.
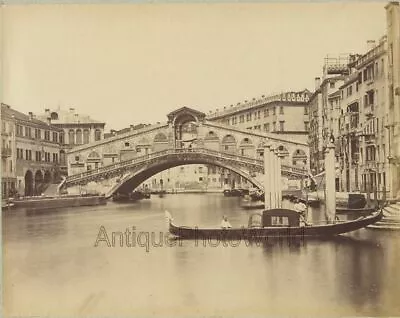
x=72, y=110
x=30, y=115
x=317, y=82
x=370, y=44
x=46, y=111
x=48, y=120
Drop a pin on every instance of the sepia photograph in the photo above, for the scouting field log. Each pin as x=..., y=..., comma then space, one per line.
x=200, y=159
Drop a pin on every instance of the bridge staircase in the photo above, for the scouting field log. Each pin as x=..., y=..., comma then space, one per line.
x=51, y=189
x=390, y=220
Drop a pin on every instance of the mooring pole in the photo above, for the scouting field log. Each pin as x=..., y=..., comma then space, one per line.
x=272, y=166
x=267, y=177
x=330, y=182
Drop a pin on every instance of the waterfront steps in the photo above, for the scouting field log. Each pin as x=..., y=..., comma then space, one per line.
x=390, y=220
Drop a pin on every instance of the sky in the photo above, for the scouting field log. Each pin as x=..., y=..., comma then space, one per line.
x=126, y=64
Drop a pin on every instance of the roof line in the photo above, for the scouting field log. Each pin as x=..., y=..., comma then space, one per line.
x=116, y=138
x=257, y=134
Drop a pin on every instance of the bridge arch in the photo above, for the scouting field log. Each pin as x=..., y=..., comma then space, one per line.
x=246, y=147
x=93, y=160
x=137, y=176
x=28, y=182
x=211, y=140
x=211, y=135
x=299, y=157
x=228, y=143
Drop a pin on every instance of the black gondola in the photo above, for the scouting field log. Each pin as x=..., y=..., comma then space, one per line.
x=274, y=223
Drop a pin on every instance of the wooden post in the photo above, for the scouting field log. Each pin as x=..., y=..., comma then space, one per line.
x=280, y=156
x=383, y=196
x=330, y=182
x=267, y=178
x=272, y=166
x=368, y=188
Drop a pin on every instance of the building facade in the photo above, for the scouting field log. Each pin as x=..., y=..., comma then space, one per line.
x=362, y=139
x=277, y=114
x=34, y=148
x=8, y=156
x=77, y=129
x=393, y=118
x=324, y=108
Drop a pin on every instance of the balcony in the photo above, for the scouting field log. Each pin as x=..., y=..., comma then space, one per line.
x=5, y=152
x=370, y=139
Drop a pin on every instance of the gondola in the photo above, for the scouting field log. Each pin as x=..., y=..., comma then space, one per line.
x=365, y=210
x=274, y=223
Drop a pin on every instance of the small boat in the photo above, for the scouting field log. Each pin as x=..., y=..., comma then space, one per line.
x=274, y=223
x=253, y=206
x=7, y=204
x=130, y=197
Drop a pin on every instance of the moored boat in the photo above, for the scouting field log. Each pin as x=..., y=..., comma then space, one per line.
x=274, y=223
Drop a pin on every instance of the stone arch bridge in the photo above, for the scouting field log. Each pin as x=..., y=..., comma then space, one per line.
x=124, y=161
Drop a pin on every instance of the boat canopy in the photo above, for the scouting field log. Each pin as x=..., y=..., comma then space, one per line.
x=280, y=217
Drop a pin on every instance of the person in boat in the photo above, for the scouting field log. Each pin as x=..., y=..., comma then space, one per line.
x=225, y=223
x=301, y=208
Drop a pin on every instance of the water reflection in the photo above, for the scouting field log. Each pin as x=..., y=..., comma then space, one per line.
x=51, y=266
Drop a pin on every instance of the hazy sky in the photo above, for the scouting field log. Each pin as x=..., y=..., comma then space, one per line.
x=127, y=64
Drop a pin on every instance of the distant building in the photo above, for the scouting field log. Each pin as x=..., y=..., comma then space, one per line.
x=188, y=177
x=324, y=108
x=31, y=156
x=282, y=114
x=277, y=114
x=77, y=129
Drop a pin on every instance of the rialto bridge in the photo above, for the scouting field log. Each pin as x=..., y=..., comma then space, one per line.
x=123, y=162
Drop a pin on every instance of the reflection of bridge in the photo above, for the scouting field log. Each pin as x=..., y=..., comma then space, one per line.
x=133, y=157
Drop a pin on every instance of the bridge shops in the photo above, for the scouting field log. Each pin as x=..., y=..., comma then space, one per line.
x=186, y=138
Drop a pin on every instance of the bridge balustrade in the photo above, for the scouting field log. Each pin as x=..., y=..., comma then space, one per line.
x=177, y=151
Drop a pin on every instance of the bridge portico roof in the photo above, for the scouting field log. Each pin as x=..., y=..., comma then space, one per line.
x=117, y=137
x=185, y=111
x=260, y=134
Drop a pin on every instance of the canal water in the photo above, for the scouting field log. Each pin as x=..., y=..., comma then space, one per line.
x=52, y=267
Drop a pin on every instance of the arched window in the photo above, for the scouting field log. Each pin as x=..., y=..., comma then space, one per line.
x=61, y=137
x=71, y=137
x=160, y=137
x=54, y=116
x=86, y=136
x=78, y=137
x=97, y=134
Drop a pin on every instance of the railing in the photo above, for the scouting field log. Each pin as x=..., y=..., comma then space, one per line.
x=178, y=151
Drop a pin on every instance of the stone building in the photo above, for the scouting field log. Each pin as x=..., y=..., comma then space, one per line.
x=77, y=129
x=324, y=108
x=362, y=138
x=8, y=153
x=33, y=152
x=277, y=114
x=393, y=118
